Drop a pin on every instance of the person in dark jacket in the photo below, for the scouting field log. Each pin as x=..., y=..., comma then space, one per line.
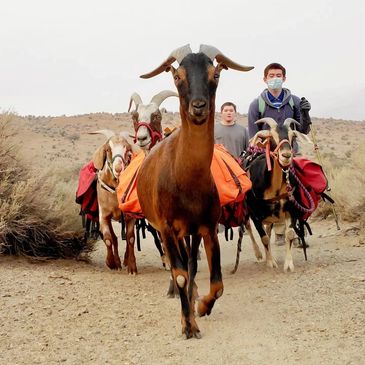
x=278, y=103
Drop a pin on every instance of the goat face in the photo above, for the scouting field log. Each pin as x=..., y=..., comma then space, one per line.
x=282, y=142
x=196, y=80
x=118, y=153
x=280, y=137
x=151, y=129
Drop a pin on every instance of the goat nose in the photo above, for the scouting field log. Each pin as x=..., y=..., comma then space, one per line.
x=198, y=104
x=118, y=168
x=141, y=138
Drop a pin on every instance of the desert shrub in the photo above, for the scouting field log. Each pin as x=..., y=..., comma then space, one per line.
x=38, y=216
x=347, y=186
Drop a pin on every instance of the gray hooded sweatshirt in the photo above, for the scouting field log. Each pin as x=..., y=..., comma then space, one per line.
x=278, y=114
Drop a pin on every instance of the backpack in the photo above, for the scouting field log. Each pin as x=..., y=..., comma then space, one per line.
x=262, y=105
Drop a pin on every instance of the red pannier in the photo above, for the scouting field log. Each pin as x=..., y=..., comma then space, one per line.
x=314, y=180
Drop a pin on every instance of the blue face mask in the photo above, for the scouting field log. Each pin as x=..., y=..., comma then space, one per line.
x=275, y=83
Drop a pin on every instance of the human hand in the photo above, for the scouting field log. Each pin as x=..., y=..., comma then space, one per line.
x=304, y=104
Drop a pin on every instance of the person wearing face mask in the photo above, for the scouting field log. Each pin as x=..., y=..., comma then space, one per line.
x=278, y=103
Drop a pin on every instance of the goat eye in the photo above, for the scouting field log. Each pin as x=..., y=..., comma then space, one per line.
x=216, y=76
x=176, y=78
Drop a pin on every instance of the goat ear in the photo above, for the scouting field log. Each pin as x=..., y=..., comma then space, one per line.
x=302, y=137
x=221, y=66
x=99, y=157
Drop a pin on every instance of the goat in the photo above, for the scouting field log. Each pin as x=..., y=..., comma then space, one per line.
x=148, y=131
x=147, y=119
x=111, y=159
x=269, y=200
x=175, y=187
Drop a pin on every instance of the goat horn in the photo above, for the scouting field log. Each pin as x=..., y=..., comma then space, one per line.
x=161, y=96
x=176, y=55
x=215, y=53
x=289, y=121
x=106, y=132
x=269, y=121
x=136, y=99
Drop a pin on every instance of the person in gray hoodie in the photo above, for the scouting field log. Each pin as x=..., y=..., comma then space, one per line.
x=278, y=103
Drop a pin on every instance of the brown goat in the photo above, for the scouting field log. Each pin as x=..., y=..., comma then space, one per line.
x=175, y=187
x=110, y=159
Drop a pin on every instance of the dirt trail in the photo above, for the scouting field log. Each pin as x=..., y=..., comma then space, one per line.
x=72, y=312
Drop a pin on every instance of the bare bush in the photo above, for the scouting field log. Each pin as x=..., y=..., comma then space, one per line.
x=38, y=216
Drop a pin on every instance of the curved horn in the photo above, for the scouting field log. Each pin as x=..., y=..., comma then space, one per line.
x=289, y=121
x=176, y=55
x=136, y=99
x=106, y=132
x=269, y=121
x=161, y=96
x=215, y=53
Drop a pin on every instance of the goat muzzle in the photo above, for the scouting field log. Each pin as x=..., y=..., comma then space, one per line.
x=155, y=135
x=198, y=110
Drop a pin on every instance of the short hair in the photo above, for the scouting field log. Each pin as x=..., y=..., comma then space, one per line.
x=229, y=103
x=274, y=66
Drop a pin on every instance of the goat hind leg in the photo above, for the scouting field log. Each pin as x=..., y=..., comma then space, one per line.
x=255, y=246
x=130, y=258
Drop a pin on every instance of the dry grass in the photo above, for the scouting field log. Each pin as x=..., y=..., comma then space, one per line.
x=36, y=214
x=347, y=183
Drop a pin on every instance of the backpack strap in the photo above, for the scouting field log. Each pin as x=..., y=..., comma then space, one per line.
x=291, y=103
x=262, y=106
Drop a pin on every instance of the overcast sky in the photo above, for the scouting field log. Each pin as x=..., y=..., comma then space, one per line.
x=82, y=56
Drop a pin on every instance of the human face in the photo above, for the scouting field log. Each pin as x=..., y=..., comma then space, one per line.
x=228, y=114
x=274, y=74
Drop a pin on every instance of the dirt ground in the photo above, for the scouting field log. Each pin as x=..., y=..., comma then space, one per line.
x=73, y=312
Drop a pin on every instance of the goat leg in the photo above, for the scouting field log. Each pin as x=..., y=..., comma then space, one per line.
x=212, y=250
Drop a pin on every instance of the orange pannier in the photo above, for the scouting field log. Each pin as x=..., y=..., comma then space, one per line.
x=127, y=187
x=231, y=181
x=228, y=176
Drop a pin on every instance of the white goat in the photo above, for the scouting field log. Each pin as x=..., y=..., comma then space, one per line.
x=111, y=159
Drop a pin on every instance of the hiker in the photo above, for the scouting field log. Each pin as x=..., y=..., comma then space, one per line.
x=227, y=132
x=278, y=103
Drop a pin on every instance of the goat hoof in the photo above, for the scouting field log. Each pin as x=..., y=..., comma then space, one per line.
x=259, y=257
x=204, y=308
x=272, y=264
x=289, y=266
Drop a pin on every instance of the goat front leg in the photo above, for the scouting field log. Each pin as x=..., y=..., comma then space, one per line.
x=289, y=237
x=105, y=229
x=212, y=250
x=129, y=257
x=265, y=239
x=178, y=258
x=117, y=261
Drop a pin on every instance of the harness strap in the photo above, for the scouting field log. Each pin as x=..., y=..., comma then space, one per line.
x=155, y=135
x=104, y=185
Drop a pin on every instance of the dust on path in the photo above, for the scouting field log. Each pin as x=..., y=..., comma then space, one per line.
x=69, y=312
